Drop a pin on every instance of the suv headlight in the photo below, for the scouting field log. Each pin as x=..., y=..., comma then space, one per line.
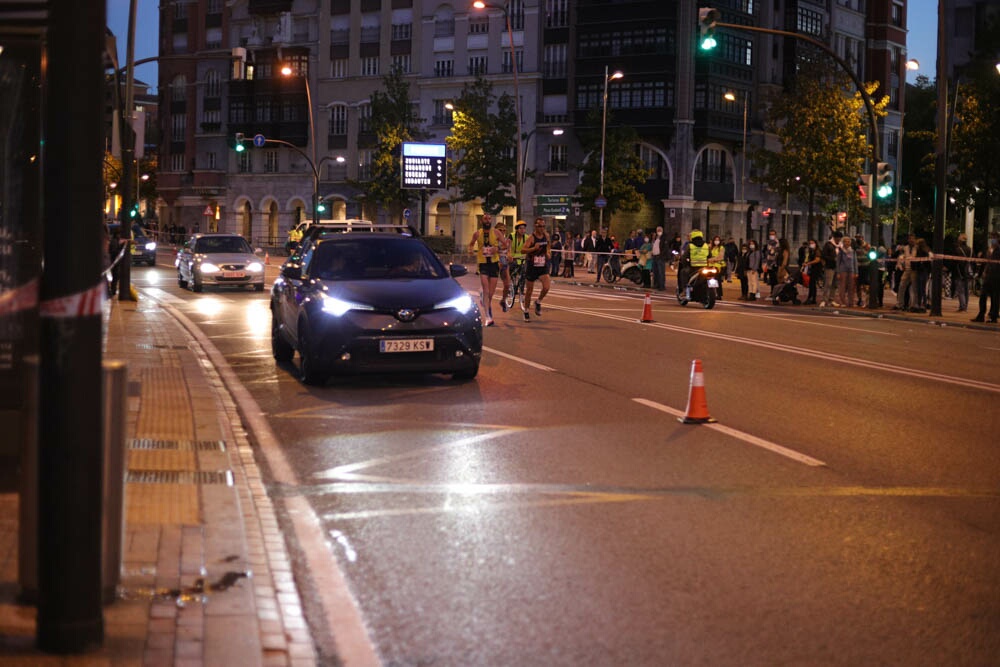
x=151, y=246
x=462, y=304
x=338, y=307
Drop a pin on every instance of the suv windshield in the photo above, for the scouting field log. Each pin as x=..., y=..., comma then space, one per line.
x=358, y=258
x=216, y=244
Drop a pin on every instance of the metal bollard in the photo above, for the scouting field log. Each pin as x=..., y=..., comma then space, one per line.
x=113, y=523
x=27, y=524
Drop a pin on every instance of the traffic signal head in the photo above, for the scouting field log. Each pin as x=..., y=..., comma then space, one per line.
x=707, y=16
x=320, y=207
x=884, y=178
x=239, y=145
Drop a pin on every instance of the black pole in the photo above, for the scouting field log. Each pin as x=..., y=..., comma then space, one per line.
x=423, y=211
x=940, y=164
x=129, y=168
x=70, y=617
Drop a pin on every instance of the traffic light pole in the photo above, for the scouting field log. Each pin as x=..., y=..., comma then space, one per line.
x=877, y=232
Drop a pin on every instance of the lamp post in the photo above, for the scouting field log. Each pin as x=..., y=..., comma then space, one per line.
x=287, y=71
x=604, y=131
x=519, y=162
x=910, y=65
x=731, y=96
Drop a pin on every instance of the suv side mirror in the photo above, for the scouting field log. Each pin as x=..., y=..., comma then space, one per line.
x=457, y=270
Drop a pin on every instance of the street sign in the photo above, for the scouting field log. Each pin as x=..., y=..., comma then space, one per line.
x=553, y=205
x=601, y=202
x=424, y=166
x=208, y=211
x=259, y=140
x=407, y=213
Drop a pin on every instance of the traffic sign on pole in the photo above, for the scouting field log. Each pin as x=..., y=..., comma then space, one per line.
x=601, y=202
x=259, y=140
x=406, y=213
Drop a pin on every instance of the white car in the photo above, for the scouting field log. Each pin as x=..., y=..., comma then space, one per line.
x=219, y=260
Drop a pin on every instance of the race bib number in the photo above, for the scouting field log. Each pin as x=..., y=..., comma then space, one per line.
x=488, y=251
x=539, y=260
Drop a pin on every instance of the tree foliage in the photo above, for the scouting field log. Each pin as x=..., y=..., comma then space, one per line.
x=393, y=122
x=483, y=146
x=821, y=124
x=624, y=171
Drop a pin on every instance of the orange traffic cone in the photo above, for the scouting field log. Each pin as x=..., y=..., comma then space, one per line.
x=647, y=309
x=697, y=408
x=267, y=258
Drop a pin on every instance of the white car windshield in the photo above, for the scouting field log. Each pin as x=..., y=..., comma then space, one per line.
x=222, y=244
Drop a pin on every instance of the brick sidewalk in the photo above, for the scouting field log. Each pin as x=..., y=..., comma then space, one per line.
x=206, y=579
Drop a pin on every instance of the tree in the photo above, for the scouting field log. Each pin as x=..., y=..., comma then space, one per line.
x=483, y=145
x=393, y=122
x=624, y=171
x=821, y=125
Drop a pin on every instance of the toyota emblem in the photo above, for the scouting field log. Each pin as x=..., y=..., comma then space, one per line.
x=406, y=315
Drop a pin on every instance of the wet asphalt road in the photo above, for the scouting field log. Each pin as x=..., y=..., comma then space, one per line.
x=555, y=512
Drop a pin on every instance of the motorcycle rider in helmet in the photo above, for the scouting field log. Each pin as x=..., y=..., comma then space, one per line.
x=695, y=255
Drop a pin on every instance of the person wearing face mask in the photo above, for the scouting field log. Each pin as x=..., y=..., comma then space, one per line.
x=646, y=260
x=769, y=262
x=812, y=269
x=741, y=271
x=753, y=270
x=484, y=244
x=991, y=281
x=717, y=258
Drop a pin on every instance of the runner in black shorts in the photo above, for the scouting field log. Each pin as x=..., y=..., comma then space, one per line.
x=537, y=253
x=484, y=243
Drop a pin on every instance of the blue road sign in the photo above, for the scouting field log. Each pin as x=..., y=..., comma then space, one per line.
x=406, y=213
x=258, y=140
x=600, y=202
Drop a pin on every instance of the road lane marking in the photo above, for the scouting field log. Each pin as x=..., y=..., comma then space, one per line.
x=867, y=364
x=739, y=435
x=520, y=360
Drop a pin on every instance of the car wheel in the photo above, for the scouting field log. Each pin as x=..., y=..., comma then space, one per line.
x=309, y=372
x=280, y=348
x=180, y=280
x=196, y=287
x=468, y=374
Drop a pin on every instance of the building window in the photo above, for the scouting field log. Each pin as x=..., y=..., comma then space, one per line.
x=244, y=162
x=177, y=162
x=271, y=162
x=556, y=13
x=558, y=161
x=338, y=68
x=402, y=31
x=338, y=120
x=505, y=62
x=516, y=9
x=711, y=167
x=477, y=65
x=369, y=66
x=892, y=143
x=180, y=42
x=479, y=26
x=178, y=89
x=364, y=118
x=213, y=83
x=298, y=63
x=897, y=14
x=655, y=166
x=213, y=7
x=444, y=68
x=178, y=127
x=210, y=160
x=810, y=22
x=554, y=61
x=442, y=115
x=213, y=38
x=402, y=63
x=365, y=165
x=211, y=118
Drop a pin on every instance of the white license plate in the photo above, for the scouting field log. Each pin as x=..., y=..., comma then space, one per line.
x=407, y=345
x=712, y=282
x=233, y=274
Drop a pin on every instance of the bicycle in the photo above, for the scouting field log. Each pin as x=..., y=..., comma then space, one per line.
x=517, y=277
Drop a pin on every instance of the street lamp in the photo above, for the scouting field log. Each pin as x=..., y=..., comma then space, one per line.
x=910, y=65
x=518, y=182
x=731, y=96
x=287, y=71
x=604, y=131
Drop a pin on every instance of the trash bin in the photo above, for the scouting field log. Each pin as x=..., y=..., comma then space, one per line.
x=115, y=378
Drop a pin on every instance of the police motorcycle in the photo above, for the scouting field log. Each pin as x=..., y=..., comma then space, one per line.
x=703, y=281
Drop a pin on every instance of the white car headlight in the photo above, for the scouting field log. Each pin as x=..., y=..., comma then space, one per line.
x=462, y=304
x=151, y=246
x=338, y=307
x=255, y=267
x=208, y=267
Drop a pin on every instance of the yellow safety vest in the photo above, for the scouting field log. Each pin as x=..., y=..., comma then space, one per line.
x=484, y=239
x=515, y=248
x=699, y=256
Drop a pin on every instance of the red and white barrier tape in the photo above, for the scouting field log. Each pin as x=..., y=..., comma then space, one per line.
x=20, y=298
x=81, y=304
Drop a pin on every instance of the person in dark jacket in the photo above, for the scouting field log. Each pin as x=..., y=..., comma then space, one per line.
x=991, y=281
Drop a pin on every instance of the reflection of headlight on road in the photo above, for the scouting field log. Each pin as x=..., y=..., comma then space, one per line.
x=338, y=307
x=462, y=304
x=208, y=267
x=210, y=307
x=151, y=246
x=258, y=314
x=255, y=267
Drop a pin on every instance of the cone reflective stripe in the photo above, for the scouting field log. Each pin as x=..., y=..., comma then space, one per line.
x=697, y=407
x=647, y=309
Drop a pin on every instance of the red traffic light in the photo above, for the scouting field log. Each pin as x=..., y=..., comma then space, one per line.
x=768, y=212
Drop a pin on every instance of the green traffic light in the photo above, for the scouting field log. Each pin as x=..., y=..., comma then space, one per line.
x=240, y=147
x=873, y=254
x=321, y=207
x=708, y=43
x=885, y=191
